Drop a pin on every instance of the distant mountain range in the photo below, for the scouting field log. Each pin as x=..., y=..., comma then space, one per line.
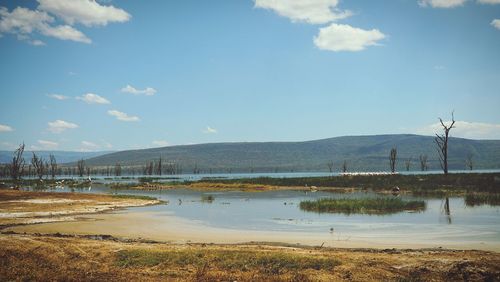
x=61, y=156
x=362, y=153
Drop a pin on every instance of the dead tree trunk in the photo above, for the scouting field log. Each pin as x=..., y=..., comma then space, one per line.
x=442, y=143
x=408, y=164
x=423, y=162
x=330, y=166
x=80, y=165
x=344, y=166
x=16, y=167
x=469, y=162
x=53, y=166
x=392, y=159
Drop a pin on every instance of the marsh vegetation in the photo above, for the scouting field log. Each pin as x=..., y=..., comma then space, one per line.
x=384, y=205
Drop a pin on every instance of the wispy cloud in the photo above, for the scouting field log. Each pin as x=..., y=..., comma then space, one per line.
x=441, y=3
x=122, y=116
x=309, y=11
x=5, y=128
x=8, y=146
x=465, y=129
x=132, y=90
x=58, y=97
x=496, y=23
x=59, y=126
x=161, y=143
x=341, y=37
x=491, y=2
x=439, y=67
x=91, y=98
x=209, y=130
x=87, y=146
x=45, y=145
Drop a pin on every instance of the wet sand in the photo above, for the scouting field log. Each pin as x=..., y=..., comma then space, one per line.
x=165, y=227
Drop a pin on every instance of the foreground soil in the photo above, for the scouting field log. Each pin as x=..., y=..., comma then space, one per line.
x=60, y=258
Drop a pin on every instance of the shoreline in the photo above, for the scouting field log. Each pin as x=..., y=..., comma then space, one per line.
x=157, y=226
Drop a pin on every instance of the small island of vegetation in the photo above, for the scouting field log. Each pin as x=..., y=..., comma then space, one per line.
x=362, y=206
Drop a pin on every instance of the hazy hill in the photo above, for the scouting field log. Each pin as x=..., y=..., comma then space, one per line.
x=61, y=156
x=361, y=153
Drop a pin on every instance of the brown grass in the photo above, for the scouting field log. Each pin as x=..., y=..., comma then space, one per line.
x=44, y=258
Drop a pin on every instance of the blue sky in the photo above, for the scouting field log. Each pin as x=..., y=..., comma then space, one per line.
x=112, y=75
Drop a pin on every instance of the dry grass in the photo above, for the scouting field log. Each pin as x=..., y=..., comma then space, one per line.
x=44, y=258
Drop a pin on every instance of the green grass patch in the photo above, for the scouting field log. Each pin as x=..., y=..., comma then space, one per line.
x=430, y=184
x=473, y=199
x=207, y=198
x=227, y=260
x=136, y=197
x=361, y=206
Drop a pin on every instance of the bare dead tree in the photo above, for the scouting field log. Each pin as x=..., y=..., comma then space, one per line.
x=344, y=166
x=159, y=167
x=423, y=162
x=330, y=166
x=408, y=163
x=392, y=159
x=149, y=168
x=16, y=167
x=53, y=166
x=442, y=143
x=469, y=163
x=38, y=165
x=118, y=169
x=80, y=166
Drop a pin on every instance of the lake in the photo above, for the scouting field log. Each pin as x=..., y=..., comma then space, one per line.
x=278, y=212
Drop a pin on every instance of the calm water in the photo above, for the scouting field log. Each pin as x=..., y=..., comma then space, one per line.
x=279, y=211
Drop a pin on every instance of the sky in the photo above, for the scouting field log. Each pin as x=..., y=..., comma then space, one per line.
x=114, y=75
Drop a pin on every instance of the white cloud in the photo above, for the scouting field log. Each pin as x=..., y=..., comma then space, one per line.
x=496, y=23
x=59, y=126
x=161, y=143
x=122, y=116
x=130, y=89
x=5, y=128
x=87, y=146
x=439, y=67
x=309, y=11
x=441, y=3
x=23, y=22
x=45, y=145
x=209, y=130
x=86, y=12
x=107, y=145
x=37, y=43
x=491, y=2
x=465, y=129
x=341, y=37
x=65, y=32
x=58, y=97
x=91, y=98
x=8, y=146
